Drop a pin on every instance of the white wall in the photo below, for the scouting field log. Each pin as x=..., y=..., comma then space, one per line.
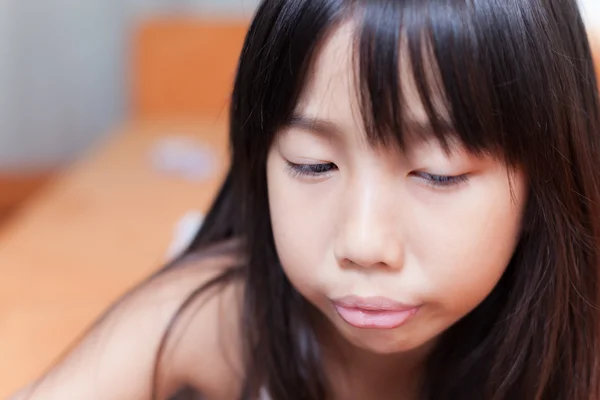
x=212, y=7
x=591, y=13
x=63, y=65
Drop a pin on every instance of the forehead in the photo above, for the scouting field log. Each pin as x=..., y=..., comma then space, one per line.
x=332, y=88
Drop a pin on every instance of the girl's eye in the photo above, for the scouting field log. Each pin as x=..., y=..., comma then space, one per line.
x=310, y=170
x=441, y=181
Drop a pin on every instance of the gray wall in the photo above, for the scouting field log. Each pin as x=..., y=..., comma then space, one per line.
x=63, y=70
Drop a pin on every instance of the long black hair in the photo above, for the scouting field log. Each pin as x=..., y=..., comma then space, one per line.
x=519, y=81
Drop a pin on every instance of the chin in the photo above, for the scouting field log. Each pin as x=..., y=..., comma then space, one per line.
x=382, y=342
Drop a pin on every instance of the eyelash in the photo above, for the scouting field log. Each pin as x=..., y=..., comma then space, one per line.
x=323, y=169
x=441, y=181
x=310, y=170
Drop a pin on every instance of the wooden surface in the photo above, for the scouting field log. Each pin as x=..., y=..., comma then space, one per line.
x=594, y=39
x=184, y=67
x=17, y=187
x=100, y=228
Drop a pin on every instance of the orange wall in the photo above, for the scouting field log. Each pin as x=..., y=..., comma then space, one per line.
x=184, y=67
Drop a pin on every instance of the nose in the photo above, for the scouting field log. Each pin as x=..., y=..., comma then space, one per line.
x=370, y=233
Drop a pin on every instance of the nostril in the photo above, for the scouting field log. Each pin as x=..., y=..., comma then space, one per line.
x=347, y=263
x=352, y=264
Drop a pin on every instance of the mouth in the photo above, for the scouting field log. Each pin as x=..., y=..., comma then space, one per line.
x=374, y=312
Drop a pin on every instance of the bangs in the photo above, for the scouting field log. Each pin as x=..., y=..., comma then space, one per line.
x=482, y=73
x=430, y=49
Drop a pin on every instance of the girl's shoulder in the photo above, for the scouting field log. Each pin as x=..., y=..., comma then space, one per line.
x=205, y=343
x=179, y=328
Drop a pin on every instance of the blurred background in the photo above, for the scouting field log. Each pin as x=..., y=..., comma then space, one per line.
x=112, y=144
x=67, y=73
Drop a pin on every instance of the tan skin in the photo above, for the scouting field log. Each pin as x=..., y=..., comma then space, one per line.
x=373, y=225
x=373, y=221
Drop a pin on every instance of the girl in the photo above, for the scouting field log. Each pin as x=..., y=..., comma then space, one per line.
x=412, y=212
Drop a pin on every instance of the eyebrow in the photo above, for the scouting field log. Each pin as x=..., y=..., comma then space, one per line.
x=422, y=129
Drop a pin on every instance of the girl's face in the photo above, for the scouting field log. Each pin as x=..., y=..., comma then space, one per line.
x=393, y=247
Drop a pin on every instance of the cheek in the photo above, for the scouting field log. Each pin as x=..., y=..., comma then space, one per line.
x=300, y=226
x=470, y=250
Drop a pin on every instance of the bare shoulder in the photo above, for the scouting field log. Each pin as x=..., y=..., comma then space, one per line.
x=188, y=313
x=204, y=343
